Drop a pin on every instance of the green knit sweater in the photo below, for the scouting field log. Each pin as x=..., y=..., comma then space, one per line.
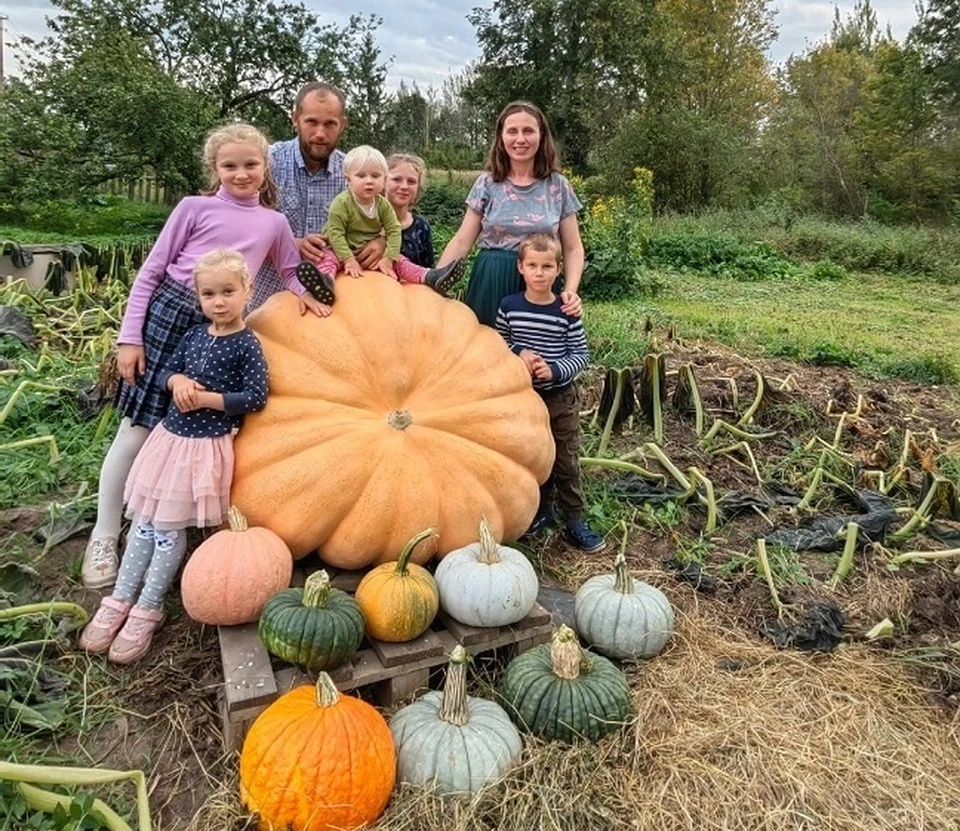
x=348, y=228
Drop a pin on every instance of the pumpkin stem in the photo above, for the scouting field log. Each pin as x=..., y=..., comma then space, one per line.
x=400, y=419
x=453, y=708
x=238, y=522
x=624, y=580
x=489, y=550
x=565, y=653
x=316, y=590
x=327, y=692
x=408, y=550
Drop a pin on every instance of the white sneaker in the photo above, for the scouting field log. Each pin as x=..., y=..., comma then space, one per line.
x=99, y=568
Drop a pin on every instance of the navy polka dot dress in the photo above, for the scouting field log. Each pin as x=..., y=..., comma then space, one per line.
x=182, y=475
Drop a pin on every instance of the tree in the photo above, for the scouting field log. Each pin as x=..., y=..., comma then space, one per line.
x=579, y=60
x=707, y=91
x=365, y=91
x=406, y=121
x=102, y=112
x=937, y=36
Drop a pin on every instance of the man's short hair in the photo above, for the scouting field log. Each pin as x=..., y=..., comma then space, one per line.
x=319, y=88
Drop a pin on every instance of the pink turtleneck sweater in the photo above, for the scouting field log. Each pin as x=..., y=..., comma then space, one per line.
x=200, y=224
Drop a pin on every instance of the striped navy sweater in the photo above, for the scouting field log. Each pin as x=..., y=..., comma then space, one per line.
x=556, y=337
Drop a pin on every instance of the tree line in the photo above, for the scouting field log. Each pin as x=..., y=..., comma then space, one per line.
x=857, y=125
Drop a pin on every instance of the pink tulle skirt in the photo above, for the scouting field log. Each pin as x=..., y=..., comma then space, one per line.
x=178, y=482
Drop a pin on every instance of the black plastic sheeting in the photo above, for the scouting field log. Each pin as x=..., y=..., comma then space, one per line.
x=877, y=511
x=691, y=572
x=819, y=628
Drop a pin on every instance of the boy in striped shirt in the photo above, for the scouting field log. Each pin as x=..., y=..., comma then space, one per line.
x=554, y=348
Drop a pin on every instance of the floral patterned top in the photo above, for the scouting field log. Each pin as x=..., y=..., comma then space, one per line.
x=509, y=212
x=417, y=243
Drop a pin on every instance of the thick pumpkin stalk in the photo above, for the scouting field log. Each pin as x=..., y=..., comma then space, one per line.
x=565, y=654
x=316, y=590
x=327, y=692
x=489, y=549
x=453, y=708
x=624, y=580
x=404, y=557
x=236, y=519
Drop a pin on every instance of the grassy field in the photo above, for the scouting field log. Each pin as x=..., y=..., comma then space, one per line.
x=881, y=325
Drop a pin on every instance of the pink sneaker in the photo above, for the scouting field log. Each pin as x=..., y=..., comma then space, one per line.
x=100, y=632
x=133, y=641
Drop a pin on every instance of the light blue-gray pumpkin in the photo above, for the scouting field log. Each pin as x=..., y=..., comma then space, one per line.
x=487, y=584
x=622, y=617
x=452, y=743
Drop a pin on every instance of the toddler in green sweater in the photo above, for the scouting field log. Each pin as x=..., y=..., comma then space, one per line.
x=361, y=213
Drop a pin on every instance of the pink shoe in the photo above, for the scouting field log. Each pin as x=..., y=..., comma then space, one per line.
x=133, y=641
x=100, y=632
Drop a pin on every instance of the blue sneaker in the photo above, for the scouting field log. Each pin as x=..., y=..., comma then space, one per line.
x=582, y=536
x=543, y=520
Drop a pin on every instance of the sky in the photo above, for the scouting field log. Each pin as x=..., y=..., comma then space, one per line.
x=430, y=39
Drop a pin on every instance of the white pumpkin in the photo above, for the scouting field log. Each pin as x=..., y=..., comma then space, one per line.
x=622, y=617
x=486, y=584
x=450, y=742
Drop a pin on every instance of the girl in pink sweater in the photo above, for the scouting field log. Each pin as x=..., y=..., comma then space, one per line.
x=237, y=213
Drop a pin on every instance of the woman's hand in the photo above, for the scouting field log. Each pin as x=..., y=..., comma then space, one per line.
x=131, y=362
x=571, y=304
x=310, y=303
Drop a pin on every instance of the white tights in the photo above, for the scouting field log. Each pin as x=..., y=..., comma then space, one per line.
x=113, y=476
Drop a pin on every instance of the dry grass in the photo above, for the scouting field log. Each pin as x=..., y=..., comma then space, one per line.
x=729, y=734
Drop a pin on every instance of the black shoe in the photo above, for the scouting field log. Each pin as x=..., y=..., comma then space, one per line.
x=320, y=285
x=582, y=536
x=441, y=280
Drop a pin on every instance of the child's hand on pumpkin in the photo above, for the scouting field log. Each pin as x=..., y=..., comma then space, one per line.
x=310, y=303
x=352, y=267
x=385, y=266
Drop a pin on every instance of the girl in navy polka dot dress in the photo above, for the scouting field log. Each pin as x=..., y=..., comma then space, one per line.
x=181, y=477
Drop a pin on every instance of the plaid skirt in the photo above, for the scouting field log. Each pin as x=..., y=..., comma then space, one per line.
x=172, y=311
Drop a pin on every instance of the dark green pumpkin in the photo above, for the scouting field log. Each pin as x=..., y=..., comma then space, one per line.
x=318, y=626
x=561, y=692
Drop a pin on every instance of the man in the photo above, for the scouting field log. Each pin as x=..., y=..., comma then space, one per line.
x=308, y=171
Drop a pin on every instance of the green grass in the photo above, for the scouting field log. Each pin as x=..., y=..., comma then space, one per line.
x=883, y=326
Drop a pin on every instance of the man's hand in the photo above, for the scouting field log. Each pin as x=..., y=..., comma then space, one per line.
x=371, y=253
x=310, y=303
x=131, y=362
x=311, y=247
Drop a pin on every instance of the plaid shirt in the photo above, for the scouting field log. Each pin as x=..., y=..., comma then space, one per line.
x=304, y=200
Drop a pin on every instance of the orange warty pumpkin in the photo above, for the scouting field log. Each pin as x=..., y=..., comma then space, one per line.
x=316, y=760
x=231, y=575
x=396, y=413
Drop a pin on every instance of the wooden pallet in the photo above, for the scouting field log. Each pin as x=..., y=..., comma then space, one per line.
x=399, y=669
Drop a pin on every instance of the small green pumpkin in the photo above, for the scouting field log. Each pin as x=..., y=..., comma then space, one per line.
x=622, y=617
x=453, y=743
x=561, y=692
x=318, y=626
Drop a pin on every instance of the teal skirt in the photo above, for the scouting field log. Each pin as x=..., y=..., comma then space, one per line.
x=493, y=277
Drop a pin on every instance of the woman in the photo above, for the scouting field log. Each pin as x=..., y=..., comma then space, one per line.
x=521, y=191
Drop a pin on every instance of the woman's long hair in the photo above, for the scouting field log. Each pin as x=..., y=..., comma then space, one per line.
x=545, y=161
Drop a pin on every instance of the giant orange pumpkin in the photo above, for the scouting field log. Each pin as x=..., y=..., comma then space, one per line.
x=396, y=413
